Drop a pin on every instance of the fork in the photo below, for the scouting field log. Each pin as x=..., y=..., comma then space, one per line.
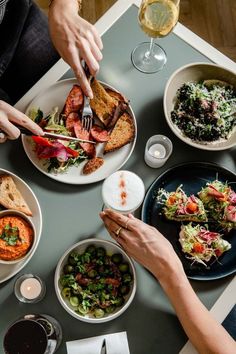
x=87, y=113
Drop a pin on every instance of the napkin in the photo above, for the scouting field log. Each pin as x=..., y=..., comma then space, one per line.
x=116, y=343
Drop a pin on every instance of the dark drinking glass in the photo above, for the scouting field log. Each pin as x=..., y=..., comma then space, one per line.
x=33, y=334
x=25, y=337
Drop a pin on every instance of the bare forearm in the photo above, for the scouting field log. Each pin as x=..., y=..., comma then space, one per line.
x=205, y=333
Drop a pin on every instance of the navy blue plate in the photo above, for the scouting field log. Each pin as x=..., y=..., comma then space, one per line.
x=192, y=176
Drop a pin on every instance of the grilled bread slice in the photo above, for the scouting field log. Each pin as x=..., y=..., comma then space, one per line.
x=123, y=133
x=102, y=104
x=10, y=196
x=122, y=105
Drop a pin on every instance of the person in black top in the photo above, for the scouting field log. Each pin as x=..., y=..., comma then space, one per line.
x=30, y=44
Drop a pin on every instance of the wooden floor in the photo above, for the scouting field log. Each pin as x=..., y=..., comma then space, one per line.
x=213, y=20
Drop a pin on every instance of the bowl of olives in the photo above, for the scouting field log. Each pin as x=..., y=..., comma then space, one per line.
x=95, y=280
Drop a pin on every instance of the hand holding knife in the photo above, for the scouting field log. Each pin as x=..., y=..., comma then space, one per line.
x=53, y=135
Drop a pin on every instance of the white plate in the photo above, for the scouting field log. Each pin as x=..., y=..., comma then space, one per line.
x=8, y=271
x=55, y=96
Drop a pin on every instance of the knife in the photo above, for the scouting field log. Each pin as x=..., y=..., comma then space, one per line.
x=104, y=349
x=53, y=135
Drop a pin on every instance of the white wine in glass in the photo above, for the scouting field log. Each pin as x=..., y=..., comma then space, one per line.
x=157, y=19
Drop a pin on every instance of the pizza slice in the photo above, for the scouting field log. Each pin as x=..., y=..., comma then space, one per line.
x=220, y=201
x=200, y=244
x=179, y=207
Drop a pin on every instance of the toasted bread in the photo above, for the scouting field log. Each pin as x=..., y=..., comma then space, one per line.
x=122, y=105
x=122, y=134
x=102, y=104
x=10, y=196
x=116, y=95
x=92, y=165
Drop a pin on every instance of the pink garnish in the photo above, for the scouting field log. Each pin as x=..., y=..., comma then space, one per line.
x=212, y=191
x=232, y=197
x=230, y=213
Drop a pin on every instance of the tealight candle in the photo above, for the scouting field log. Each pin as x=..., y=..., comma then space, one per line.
x=29, y=288
x=158, y=150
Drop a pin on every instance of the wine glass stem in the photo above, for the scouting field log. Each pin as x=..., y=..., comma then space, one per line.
x=148, y=55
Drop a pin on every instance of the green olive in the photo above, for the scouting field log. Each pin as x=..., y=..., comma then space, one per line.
x=74, y=301
x=81, y=310
x=92, y=273
x=127, y=278
x=91, y=249
x=124, y=267
x=124, y=289
x=110, y=309
x=68, y=268
x=101, y=252
x=66, y=292
x=119, y=301
x=99, y=313
x=117, y=258
x=71, y=260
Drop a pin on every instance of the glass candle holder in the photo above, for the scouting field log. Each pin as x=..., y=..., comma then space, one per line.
x=157, y=151
x=29, y=288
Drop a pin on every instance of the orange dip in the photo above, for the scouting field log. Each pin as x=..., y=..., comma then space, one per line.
x=21, y=238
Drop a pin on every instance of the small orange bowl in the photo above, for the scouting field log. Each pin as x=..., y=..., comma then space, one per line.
x=20, y=252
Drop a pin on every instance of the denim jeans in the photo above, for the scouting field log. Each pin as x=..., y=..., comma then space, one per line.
x=26, y=51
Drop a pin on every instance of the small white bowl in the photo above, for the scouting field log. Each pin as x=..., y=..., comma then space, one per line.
x=196, y=72
x=80, y=247
x=11, y=212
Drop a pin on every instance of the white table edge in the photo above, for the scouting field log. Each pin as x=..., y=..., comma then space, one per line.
x=102, y=25
x=219, y=310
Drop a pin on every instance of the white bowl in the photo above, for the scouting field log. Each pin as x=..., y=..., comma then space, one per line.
x=80, y=247
x=194, y=73
x=11, y=212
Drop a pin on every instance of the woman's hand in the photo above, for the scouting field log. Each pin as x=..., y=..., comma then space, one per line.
x=9, y=116
x=75, y=39
x=144, y=243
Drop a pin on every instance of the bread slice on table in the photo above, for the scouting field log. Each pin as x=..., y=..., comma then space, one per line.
x=123, y=133
x=102, y=104
x=10, y=196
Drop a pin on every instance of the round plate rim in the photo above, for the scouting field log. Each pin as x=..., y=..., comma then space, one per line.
x=27, y=259
x=172, y=168
x=54, y=177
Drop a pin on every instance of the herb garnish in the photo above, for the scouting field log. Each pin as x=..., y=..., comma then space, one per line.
x=10, y=235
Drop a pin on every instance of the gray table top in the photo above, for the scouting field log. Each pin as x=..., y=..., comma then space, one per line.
x=150, y=322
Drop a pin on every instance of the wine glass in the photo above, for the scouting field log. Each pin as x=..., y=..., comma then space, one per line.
x=157, y=19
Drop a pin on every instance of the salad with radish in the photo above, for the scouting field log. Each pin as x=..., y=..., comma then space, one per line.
x=220, y=201
x=202, y=245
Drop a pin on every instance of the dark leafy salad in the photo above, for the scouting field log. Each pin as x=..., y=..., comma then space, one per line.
x=94, y=282
x=205, y=111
